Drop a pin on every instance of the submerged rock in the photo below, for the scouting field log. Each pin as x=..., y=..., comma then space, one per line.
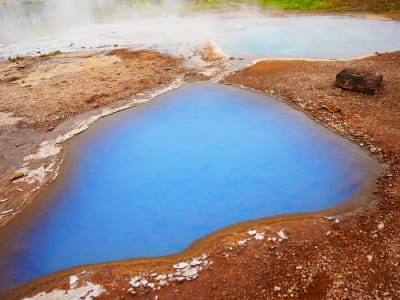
x=360, y=81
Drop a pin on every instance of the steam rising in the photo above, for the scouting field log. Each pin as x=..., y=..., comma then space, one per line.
x=31, y=19
x=43, y=26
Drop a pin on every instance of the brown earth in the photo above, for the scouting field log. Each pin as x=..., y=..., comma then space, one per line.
x=30, y=88
x=354, y=255
x=371, y=5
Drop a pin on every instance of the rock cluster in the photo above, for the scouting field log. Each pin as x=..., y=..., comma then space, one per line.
x=260, y=236
x=184, y=271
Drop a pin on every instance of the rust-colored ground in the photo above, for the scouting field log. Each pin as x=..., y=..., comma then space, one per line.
x=46, y=91
x=355, y=255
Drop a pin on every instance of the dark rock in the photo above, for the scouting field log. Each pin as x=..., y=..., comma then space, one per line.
x=358, y=81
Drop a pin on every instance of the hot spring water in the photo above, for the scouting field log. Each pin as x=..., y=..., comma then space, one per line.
x=242, y=33
x=151, y=180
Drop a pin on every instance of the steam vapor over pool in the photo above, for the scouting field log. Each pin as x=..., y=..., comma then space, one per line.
x=78, y=25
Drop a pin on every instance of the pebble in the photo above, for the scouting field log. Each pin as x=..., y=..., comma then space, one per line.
x=16, y=175
x=195, y=262
x=259, y=236
x=6, y=212
x=381, y=225
x=163, y=283
x=151, y=285
x=190, y=272
x=282, y=234
x=242, y=242
x=161, y=277
x=373, y=149
x=180, y=279
x=181, y=265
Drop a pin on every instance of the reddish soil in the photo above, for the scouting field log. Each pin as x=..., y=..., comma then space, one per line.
x=354, y=255
x=30, y=88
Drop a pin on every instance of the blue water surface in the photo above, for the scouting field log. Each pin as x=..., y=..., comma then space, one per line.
x=313, y=37
x=150, y=180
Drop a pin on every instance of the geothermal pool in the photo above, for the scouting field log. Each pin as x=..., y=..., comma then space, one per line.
x=314, y=37
x=242, y=33
x=150, y=180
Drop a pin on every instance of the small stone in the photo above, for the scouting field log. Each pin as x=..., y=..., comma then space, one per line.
x=181, y=265
x=373, y=149
x=242, y=242
x=180, y=279
x=151, y=285
x=259, y=236
x=282, y=234
x=190, y=272
x=6, y=212
x=73, y=280
x=161, y=277
x=369, y=257
x=277, y=288
x=131, y=291
x=16, y=175
x=381, y=225
x=252, y=232
x=195, y=262
x=331, y=108
x=163, y=283
x=135, y=281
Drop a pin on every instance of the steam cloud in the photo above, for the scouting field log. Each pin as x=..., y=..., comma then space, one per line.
x=19, y=20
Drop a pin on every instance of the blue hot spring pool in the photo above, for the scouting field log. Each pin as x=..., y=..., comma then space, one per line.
x=150, y=180
x=312, y=37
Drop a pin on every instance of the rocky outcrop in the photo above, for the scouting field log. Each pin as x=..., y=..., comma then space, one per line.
x=360, y=81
